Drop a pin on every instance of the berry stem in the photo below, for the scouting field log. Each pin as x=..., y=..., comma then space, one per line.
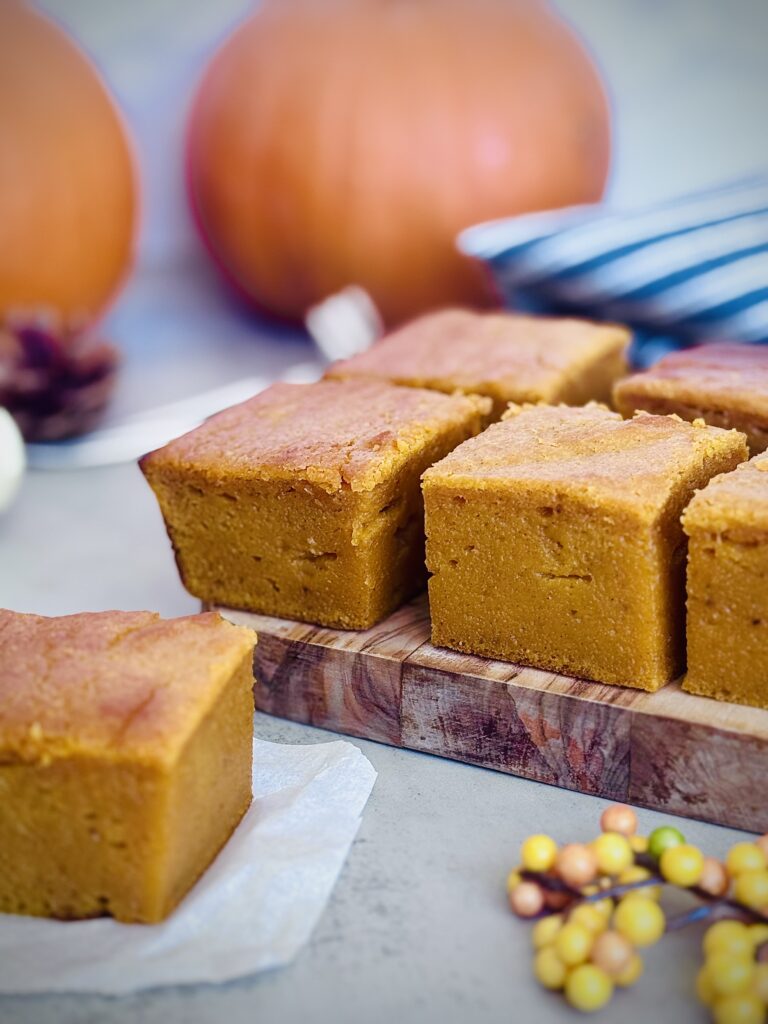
x=712, y=906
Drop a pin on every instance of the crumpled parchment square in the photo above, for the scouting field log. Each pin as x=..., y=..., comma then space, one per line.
x=253, y=909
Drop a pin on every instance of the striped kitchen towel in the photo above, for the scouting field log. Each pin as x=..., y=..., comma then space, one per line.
x=686, y=271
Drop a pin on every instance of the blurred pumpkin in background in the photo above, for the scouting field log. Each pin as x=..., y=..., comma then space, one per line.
x=348, y=141
x=67, y=195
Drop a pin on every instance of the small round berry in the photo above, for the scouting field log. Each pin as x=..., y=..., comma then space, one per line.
x=613, y=853
x=639, y=844
x=758, y=933
x=682, y=865
x=639, y=874
x=619, y=818
x=635, y=873
x=527, y=899
x=742, y=1008
x=605, y=908
x=587, y=988
x=745, y=857
x=631, y=972
x=612, y=953
x=590, y=917
x=714, y=878
x=662, y=838
x=751, y=889
x=545, y=930
x=555, y=899
x=639, y=920
x=596, y=887
x=730, y=937
x=538, y=853
x=514, y=879
x=548, y=969
x=576, y=865
x=704, y=991
x=760, y=982
x=730, y=974
x=573, y=944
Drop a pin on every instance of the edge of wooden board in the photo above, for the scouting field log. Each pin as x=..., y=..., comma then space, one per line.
x=669, y=750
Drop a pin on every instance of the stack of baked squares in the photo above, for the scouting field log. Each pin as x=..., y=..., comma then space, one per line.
x=556, y=528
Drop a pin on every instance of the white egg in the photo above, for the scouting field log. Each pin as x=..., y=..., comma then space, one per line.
x=12, y=459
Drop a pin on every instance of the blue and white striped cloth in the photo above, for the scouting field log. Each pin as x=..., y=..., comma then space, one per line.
x=690, y=270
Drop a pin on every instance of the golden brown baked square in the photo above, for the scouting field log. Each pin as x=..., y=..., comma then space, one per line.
x=725, y=385
x=125, y=758
x=727, y=527
x=304, y=501
x=554, y=540
x=508, y=357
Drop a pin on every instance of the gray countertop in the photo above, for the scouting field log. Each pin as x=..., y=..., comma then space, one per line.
x=417, y=927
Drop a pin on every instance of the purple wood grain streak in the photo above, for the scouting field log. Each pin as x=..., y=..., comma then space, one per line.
x=539, y=735
x=699, y=772
x=339, y=690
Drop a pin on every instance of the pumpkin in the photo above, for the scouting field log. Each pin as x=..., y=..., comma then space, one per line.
x=66, y=177
x=337, y=142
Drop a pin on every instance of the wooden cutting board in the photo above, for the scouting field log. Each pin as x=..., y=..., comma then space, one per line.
x=669, y=751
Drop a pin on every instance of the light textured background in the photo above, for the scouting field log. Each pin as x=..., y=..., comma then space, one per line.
x=417, y=929
x=688, y=80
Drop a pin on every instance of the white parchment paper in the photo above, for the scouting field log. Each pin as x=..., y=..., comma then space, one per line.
x=253, y=909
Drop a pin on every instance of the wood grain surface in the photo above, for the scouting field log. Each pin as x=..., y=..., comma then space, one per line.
x=670, y=751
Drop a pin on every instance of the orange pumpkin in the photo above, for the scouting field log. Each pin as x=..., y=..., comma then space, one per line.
x=66, y=177
x=348, y=141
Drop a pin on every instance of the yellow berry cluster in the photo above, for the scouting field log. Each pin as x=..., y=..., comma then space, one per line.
x=590, y=948
x=733, y=981
x=596, y=905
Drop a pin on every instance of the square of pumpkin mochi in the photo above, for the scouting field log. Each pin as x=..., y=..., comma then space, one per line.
x=304, y=502
x=554, y=540
x=726, y=385
x=727, y=528
x=505, y=356
x=126, y=744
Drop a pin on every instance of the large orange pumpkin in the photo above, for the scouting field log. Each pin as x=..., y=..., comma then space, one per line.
x=67, y=194
x=348, y=141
